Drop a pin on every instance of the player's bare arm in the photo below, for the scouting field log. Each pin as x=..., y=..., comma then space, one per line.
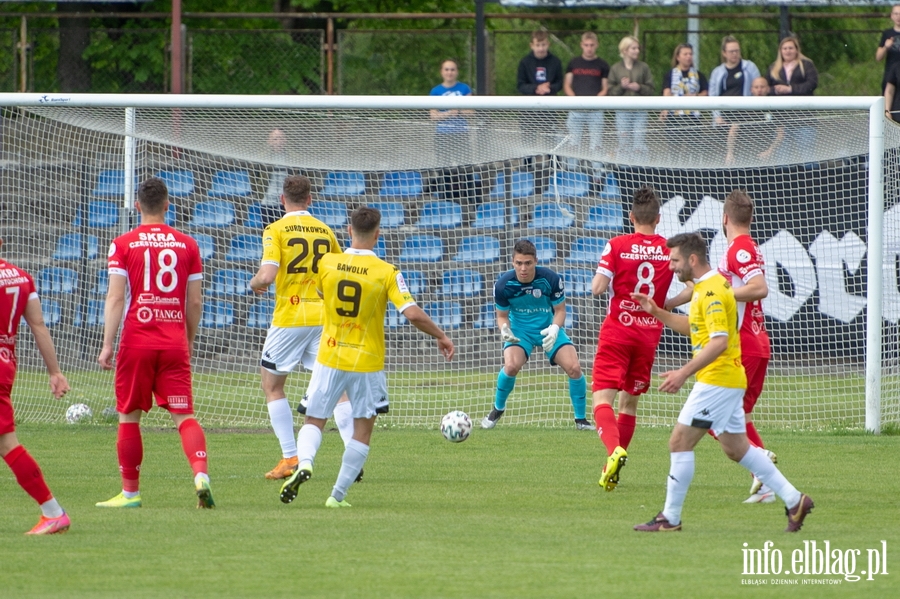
x=674, y=380
x=753, y=290
x=419, y=319
x=599, y=284
x=112, y=316
x=264, y=277
x=681, y=298
x=677, y=322
x=35, y=319
x=192, y=312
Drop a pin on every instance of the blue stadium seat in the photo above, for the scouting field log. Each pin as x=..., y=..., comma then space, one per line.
x=498, y=187
x=440, y=215
x=260, y=314
x=111, y=184
x=217, y=314
x=180, y=183
x=586, y=250
x=571, y=316
x=94, y=315
x=546, y=249
x=72, y=246
x=170, y=215
x=213, y=213
x=416, y=281
x=461, y=283
x=447, y=315
x=605, y=217
x=401, y=184
x=492, y=215
x=244, y=248
x=577, y=281
x=230, y=281
x=101, y=214
x=333, y=214
x=521, y=185
x=422, y=248
x=380, y=248
x=206, y=244
x=56, y=280
x=254, y=216
x=392, y=214
x=393, y=319
x=478, y=248
x=611, y=190
x=102, y=283
x=551, y=215
x=51, y=311
x=568, y=185
x=344, y=184
x=487, y=318
x=230, y=184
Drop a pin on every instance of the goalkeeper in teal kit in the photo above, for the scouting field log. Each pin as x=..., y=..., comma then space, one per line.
x=531, y=311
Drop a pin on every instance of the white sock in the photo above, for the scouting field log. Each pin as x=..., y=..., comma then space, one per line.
x=282, y=419
x=343, y=418
x=201, y=476
x=130, y=494
x=757, y=462
x=308, y=440
x=51, y=508
x=354, y=459
x=681, y=473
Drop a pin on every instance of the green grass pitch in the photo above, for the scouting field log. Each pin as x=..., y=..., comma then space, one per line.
x=512, y=512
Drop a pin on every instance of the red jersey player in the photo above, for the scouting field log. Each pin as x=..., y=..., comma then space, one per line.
x=156, y=271
x=743, y=266
x=18, y=298
x=633, y=263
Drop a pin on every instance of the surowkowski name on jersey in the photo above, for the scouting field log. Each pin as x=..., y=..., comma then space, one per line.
x=645, y=252
x=156, y=240
x=306, y=229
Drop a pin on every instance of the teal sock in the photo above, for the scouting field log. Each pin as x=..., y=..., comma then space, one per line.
x=577, y=391
x=505, y=386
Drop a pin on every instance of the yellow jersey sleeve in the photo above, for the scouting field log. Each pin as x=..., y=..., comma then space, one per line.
x=356, y=287
x=714, y=314
x=296, y=244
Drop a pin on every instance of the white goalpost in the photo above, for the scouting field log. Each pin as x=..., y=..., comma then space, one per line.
x=456, y=190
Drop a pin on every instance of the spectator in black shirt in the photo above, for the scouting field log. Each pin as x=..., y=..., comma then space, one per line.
x=586, y=75
x=889, y=46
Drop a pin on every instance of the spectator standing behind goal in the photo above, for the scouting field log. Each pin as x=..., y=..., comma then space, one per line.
x=631, y=77
x=540, y=72
x=752, y=134
x=793, y=74
x=20, y=299
x=683, y=80
x=355, y=287
x=626, y=349
x=157, y=271
x=586, y=75
x=293, y=247
x=714, y=403
x=891, y=97
x=531, y=311
x=889, y=46
x=734, y=77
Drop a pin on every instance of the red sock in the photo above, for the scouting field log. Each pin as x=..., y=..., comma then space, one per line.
x=712, y=434
x=626, y=423
x=28, y=474
x=605, y=420
x=753, y=436
x=193, y=442
x=130, y=448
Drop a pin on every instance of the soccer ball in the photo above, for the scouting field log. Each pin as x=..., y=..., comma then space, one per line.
x=78, y=412
x=456, y=426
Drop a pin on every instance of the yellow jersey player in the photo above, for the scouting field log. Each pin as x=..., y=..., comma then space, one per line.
x=293, y=247
x=356, y=287
x=716, y=400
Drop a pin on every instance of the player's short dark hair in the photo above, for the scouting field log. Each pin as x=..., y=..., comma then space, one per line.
x=365, y=220
x=296, y=189
x=689, y=243
x=526, y=248
x=152, y=195
x=739, y=207
x=645, y=208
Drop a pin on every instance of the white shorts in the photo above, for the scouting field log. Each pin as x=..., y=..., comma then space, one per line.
x=285, y=347
x=720, y=409
x=367, y=392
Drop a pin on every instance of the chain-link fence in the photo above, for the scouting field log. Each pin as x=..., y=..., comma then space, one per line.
x=265, y=61
x=400, y=62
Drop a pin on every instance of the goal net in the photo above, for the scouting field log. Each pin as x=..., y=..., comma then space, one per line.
x=456, y=190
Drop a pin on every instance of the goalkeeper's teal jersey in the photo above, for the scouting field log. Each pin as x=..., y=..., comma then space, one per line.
x=530, y=305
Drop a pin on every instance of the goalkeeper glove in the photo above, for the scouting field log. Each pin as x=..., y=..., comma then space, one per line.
x=550, y=334
x=507, y=336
